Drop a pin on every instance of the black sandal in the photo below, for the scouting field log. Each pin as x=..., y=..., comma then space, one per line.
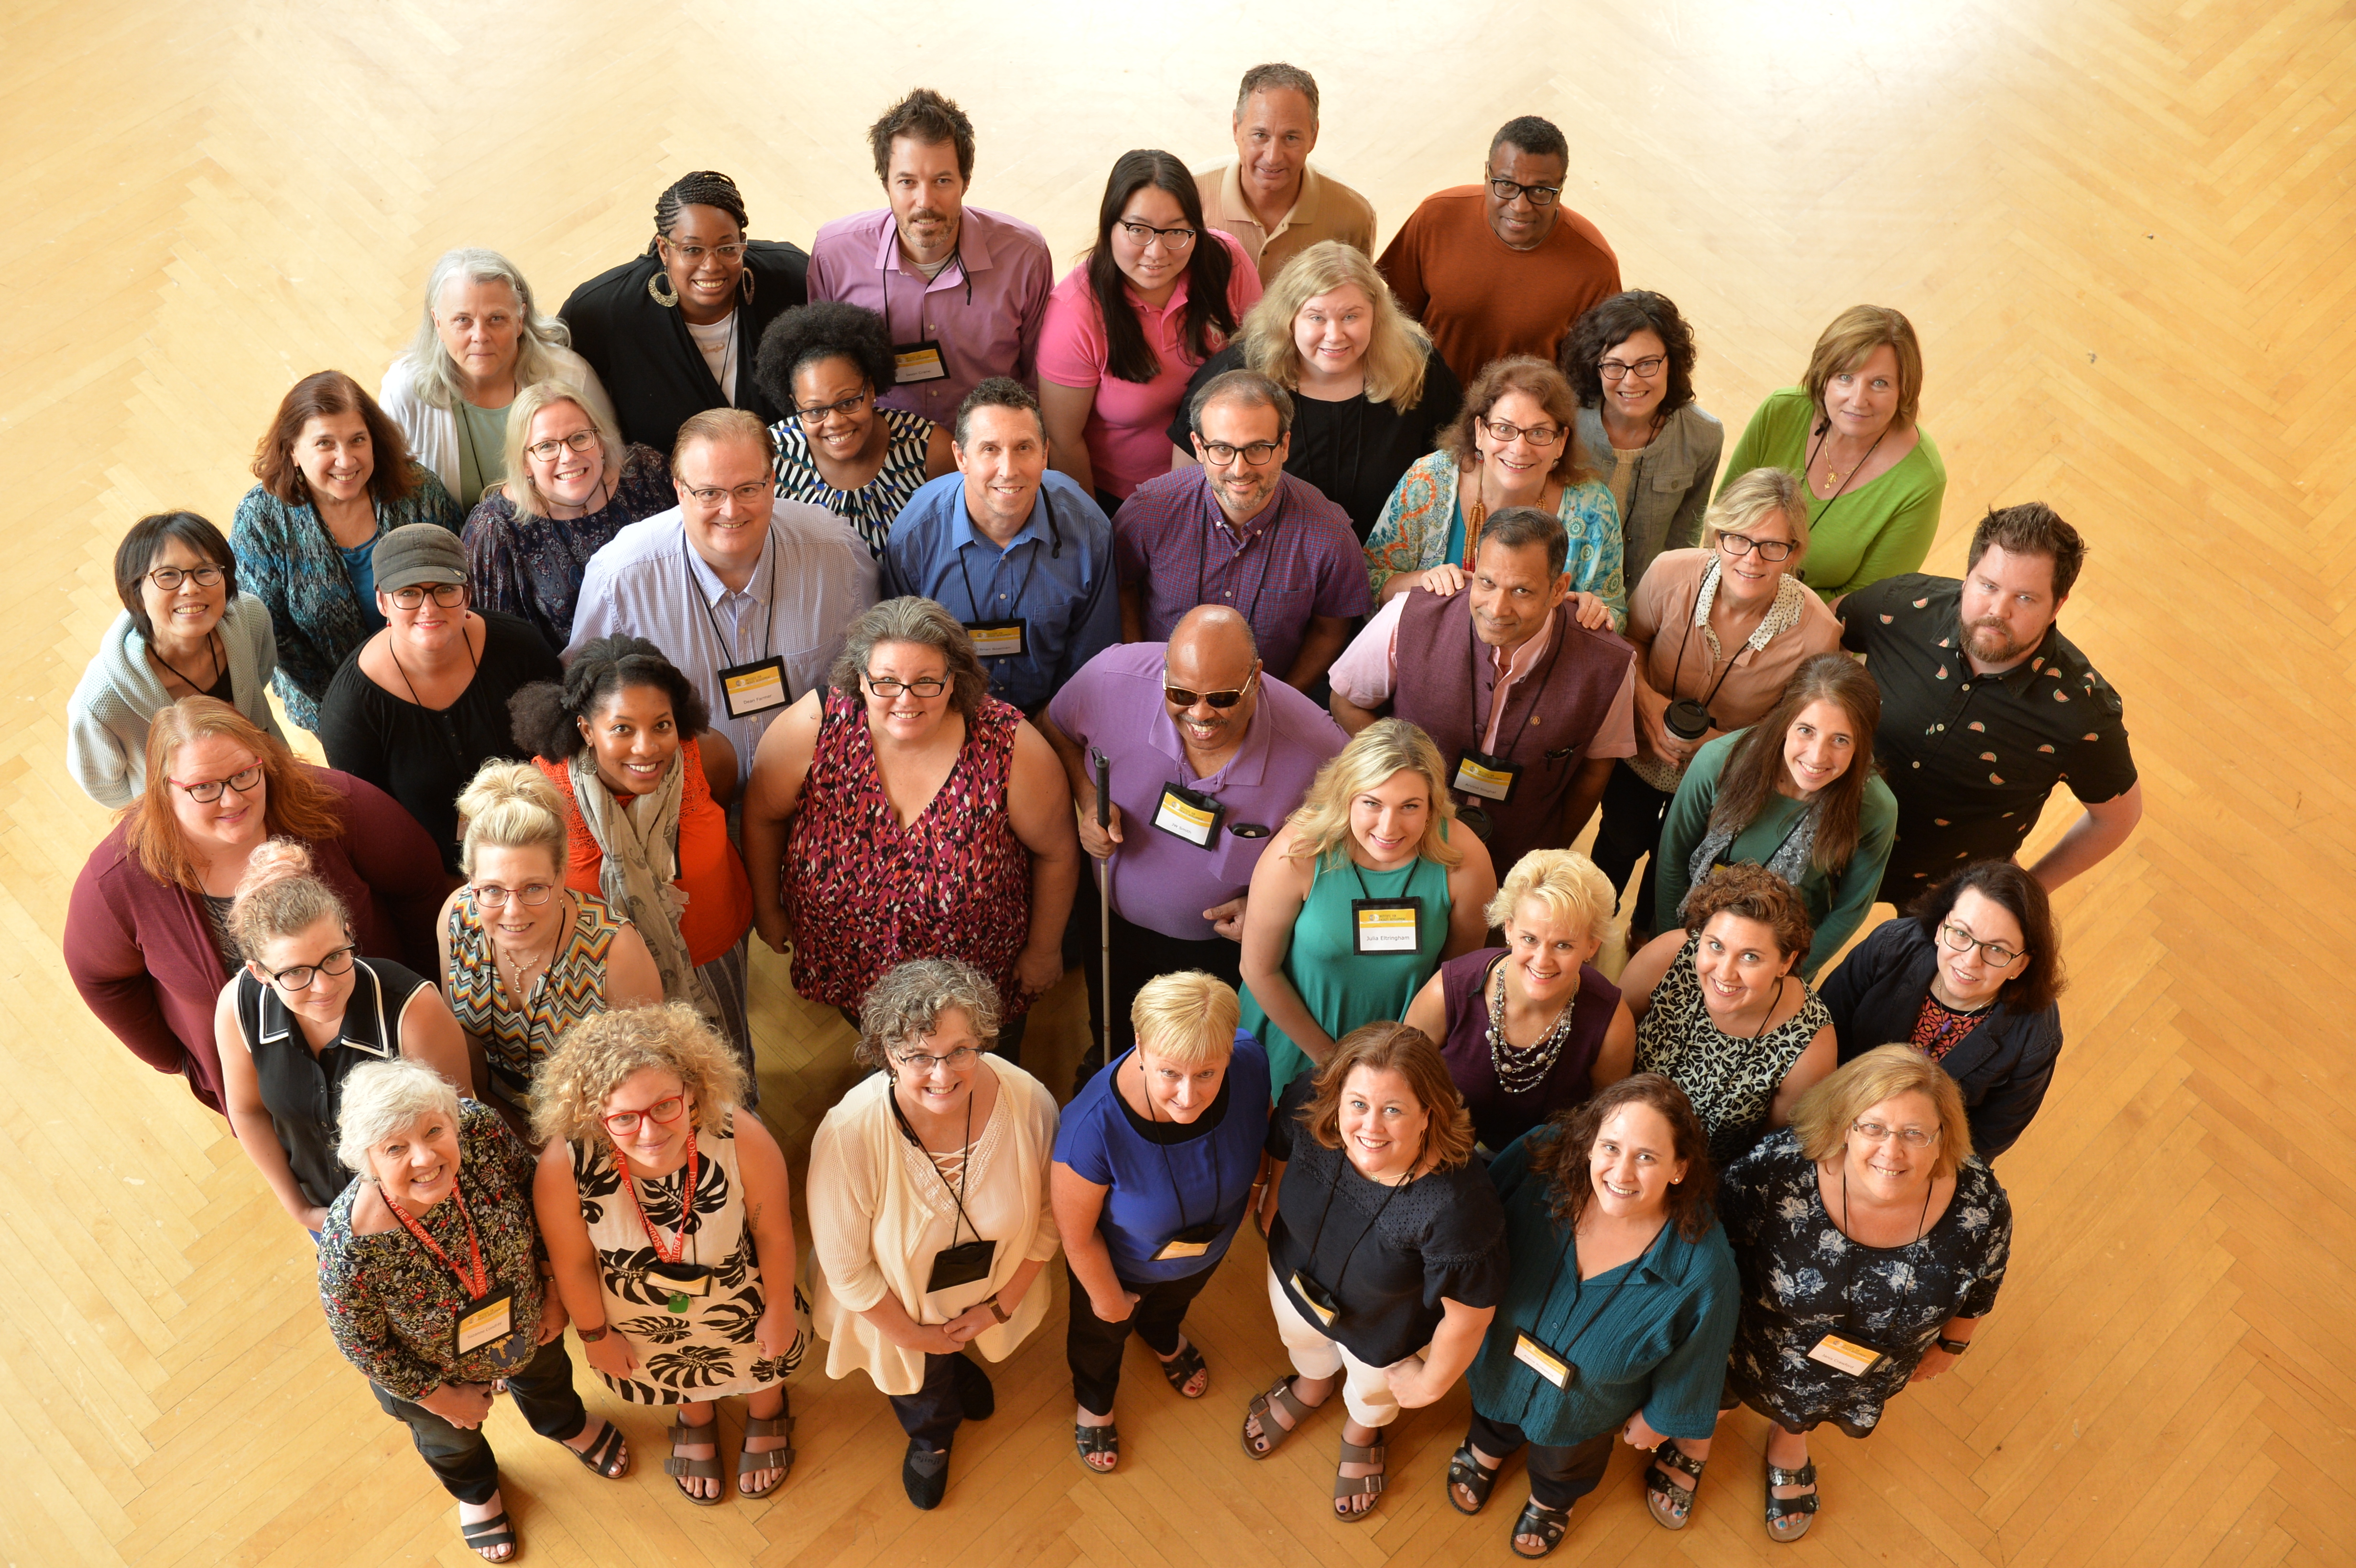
x=1658, y=1484
x=1781, y=1508
x=488, y=1535
x=680, y=1469
x=1105, y=1439
x=1182, y=1368
x=609, y=1457
x=1464, y=1470
x=1546, y=1523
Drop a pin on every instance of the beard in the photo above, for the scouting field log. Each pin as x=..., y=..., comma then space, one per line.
x=1990, y=641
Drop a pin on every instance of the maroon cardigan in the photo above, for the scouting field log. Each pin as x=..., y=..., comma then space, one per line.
x=142, y=956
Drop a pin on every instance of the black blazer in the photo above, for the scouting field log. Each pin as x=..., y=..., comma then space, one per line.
x=651, y=368
x=2003, y=1067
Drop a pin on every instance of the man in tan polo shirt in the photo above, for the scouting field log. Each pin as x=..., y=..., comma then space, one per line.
x=1268, y=198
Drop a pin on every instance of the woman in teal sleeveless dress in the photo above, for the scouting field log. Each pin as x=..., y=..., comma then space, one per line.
x=1359, y=897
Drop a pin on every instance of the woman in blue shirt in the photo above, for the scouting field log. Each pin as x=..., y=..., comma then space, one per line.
x=1155, y=1160
x=1619, y=1315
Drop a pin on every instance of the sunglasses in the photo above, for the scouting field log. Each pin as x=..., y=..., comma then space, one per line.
x=1179, y=696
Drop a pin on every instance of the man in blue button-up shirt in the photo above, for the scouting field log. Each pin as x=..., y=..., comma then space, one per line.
x=1021, y=555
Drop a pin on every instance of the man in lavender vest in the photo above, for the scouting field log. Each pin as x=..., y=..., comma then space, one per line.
x=1529, y=708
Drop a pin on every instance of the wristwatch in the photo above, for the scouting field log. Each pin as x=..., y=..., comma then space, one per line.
x=1954, y=1347
x=997, y=1311
x=591, y=1336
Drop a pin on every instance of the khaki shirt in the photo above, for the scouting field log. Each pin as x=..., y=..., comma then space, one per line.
x=1326, y=209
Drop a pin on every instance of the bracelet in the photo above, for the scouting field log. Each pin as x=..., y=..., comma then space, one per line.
x=1954, y=1347
x=591, y=1336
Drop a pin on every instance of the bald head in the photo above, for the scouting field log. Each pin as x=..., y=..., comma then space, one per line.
x=1211, y=652
x=1217, y=629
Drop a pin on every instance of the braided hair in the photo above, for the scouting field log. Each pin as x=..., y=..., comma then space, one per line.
x=545, y=715
x=704, y=187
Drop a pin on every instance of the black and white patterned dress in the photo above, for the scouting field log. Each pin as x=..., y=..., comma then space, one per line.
x=1803, y=1279
x=708, y=1350
x=1731, y=1080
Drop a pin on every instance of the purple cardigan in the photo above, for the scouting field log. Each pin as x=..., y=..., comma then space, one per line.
x=142, y=956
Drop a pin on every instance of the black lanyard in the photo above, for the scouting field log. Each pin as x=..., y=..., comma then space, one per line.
x=973, y=603
x=1478, y=741
x=1578, y=1293
x=965, y=1165
x=1687, y=635
x=769, y=615
x=1334, y=1289
x=1218, y=1178
x=956, y=260
x=1848, y=1279
x=1267, y=536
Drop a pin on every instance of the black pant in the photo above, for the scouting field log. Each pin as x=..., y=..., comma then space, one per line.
x=1634, y=811
x=460, y=1459
x=1558, y=1477
x=1139, y=954
x=1093, y=1345
x=954, y=1391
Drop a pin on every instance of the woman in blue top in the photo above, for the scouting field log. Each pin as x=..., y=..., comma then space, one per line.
x=1619, y=1315
x=1154, y=1164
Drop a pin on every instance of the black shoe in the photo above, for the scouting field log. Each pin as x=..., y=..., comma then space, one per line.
x=925, y=1474
x=974, y=1393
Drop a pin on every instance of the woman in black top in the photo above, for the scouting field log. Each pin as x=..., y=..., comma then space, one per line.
x=674, y=332
x=1370, y=393
x=1383, y=1237
x=418, y=708
x=301, y=1015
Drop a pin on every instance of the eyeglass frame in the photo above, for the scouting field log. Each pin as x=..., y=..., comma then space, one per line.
x=1167, y=236
x=257, y=768
x=1514, y=190
x=1618, y=369
x=693, y=255
x=1172, y=694
x=182, y=574
x=743, y=495
x=1268, y=449
x=876, y=683
x=1499, y=431
x=482, y=890
x=813, y=418
x=418, y=592
x=349, y=953
x=607, y=1122
x=581, y=440
x=925, y=1061
x=1970, y=942
x=1766, y=548
x=1912, y=1137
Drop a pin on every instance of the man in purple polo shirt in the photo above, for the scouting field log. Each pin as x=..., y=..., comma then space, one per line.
x=1198, y=784
x=1242, y=533
x=961, y=290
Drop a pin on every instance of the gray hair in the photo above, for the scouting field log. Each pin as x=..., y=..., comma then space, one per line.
x=909, y=619
x=380, y=1098
x=437, y=379
x=906, y=1005
x=1247, y=389
x=1274, y=77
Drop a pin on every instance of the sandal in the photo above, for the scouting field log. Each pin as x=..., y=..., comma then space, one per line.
x=1546, y=1523
x=1367, y=1487
x=488, y=1535
x=1184, y=1368
x=679, y=1468
x=1670, y=1499
x=1272, y=1433
x=753, y=1462
x=1464, y=1470
x=1780, y=1511
x=1087, y=1440
x=609, y=1457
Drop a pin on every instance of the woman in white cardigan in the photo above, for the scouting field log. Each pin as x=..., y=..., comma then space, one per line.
x=481, y=341
x=929, y=1210
x=184, y=630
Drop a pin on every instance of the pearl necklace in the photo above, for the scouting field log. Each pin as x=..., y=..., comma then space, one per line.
x=1521, y=1069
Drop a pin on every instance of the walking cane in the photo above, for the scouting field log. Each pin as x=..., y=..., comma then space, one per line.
x=1104, y=896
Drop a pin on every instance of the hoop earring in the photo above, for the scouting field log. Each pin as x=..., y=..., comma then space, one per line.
x=659, y=287
x=745, y=285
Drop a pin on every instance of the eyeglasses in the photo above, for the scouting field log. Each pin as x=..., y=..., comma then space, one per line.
x=1912, y=1137
x=1959, y=939
x=167, y=579
x=1644, y=370
x=1744, y=544
x=1539, y=194
x=663, y=1112
x=449, y=595
x=745, y=495
x=545, y=451
x=1257, y=453
x=928, y=686
x=846, y=408
x=299, y=977
x=925, y=1061
x=1537, y=434
x=1179, y=696
x=693, y=255
x=242, y=780
x=1145, y=234
x=490, y=895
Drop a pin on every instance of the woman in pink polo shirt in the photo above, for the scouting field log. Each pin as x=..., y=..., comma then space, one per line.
x=1159, y=294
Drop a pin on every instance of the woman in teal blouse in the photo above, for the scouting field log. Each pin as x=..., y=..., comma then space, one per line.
x=1619, y=1315
x=1797, y=794
x=1873, y=477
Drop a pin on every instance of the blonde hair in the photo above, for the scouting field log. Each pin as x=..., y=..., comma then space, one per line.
x=1397, y=348
x=1853, y=336
x=1750, y=499
x=1564, y=883
x=522, y=489
x=511, y=806
x=1187, y=1019
x=278, y=896
x=598, y=1055
x=1387, y=746
x=1821, y=1119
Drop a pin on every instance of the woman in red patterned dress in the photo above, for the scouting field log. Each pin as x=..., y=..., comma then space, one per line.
x=901, y=812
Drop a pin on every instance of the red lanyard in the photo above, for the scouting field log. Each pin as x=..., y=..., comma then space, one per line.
x=678, y=1249
x=479, y=1282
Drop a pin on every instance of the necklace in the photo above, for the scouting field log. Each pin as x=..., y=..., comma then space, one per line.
x=212, y=653
x=1836, y=478
x=1521, y=1069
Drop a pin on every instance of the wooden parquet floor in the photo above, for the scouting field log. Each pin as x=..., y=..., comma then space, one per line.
x=2123, y=231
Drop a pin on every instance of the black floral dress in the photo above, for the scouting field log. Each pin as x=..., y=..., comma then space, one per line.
x=688, y=1347
x=1803, y=1279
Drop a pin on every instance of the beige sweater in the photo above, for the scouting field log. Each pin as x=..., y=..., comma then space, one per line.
x=879, y=1211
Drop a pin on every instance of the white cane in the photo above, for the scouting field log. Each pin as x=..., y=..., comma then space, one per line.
x=1104, y=895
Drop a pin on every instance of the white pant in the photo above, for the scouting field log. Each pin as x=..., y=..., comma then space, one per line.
x=1366, y=1390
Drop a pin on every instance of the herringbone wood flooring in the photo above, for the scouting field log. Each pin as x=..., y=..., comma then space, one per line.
x=2123, y=232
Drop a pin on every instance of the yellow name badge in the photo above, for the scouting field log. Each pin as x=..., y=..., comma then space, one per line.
x=1309, y=1293
x=1487, y=782
x=750, y=689
x=1387, y=926
x=1193, y=823
x=488, y=1322
x=1174, y=1248
x=996, y=639
x=1541, y=1361
x=917, y=362
x=1845, y=1355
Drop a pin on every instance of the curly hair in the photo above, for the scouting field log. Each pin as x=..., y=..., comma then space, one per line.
x=1564, y=883
x=1533, y=377
x=928, y=119
x=381, y=1098
x=546, y=716
x=815, y=333
x=1409, y=1052
x=598, y=1056
x=1751, y=892
x=907, y=1003
x=392, y=475
x=909, y=619
x=1561, y=1156
x=1612, y=323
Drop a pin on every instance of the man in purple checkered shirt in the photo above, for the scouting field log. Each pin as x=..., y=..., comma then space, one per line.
x=1239, y=532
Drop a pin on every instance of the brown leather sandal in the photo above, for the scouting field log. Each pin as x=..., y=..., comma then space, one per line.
x=753, y=1462
x=701, y=1469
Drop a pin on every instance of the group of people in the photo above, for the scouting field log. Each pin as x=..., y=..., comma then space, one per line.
x=915, y=612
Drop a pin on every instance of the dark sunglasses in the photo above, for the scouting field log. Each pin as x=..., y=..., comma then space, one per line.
x=1179, y=696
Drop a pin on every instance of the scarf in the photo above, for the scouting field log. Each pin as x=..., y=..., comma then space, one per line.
x=637, y=875
x=1790, y=860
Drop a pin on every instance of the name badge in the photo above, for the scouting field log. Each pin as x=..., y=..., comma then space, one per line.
x=1491, y=778
x=1188, y=814
x=996, y=639
x=918, y=361
x=679, y=1281
x=485, y=1322
x=1543, y=1361
x=960, y=1264
x=1845, y=1355
x=750, y=689
x=1191, y=1242
x=1319, y=1300
x=1387, y=926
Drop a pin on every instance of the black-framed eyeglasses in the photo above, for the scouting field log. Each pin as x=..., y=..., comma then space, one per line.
x=1912, y=1137
x=490, y=895
x=693, y=255
x=1179, y=696
x=1506, y=190
x=1644, y=370
x=847, y=407
x=242, y=780
x=1145, y=234
x=449, y=595
x=300, y=976
x=1768, y=549
x=546, y=451
x=887, y=687
x=167, y=579
x=1958, y=938
x=1257, y=452
x=1536, y=434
